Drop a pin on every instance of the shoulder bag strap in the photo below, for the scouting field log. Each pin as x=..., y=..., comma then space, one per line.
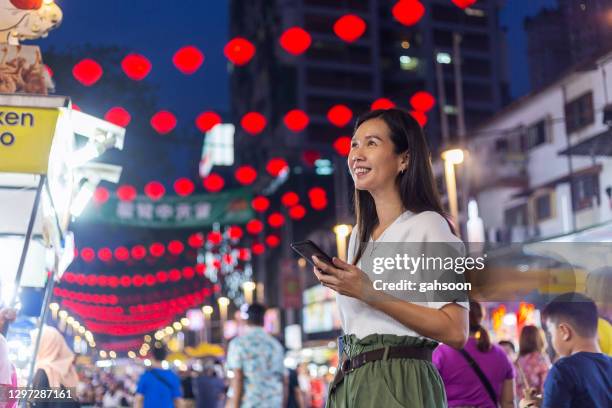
x=483, y=378
x=162, y=379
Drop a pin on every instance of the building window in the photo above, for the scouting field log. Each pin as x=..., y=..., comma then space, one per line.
x=516, y=216
x=585, y=188
x=543, y=207
x=408, y=63
x=579, y=113
x=501, y=145
x=535, y=135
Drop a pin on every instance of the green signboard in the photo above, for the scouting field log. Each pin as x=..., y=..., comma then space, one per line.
x=231, y=207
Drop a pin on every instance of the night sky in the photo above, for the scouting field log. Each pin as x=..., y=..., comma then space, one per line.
x=157, y=29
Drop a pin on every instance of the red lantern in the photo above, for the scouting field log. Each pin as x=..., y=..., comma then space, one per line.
x=174, y=275
x=309, y=157
x=245, y=175
x=316, y=193
x=419, y=117
x=258, y=248
x=122, y=254
x=244, y=254
x=422, y=101
x=163, y=122
x=101, y=195
x=289, y=199
x=27, y=4
x=196, y=240
x=105, y=254
x=342, y=145
x=296, y=120
x=188, y=272
x=138, y=280
x=188, y=59
x=276, y=220
x=340, y=115
x=239, y=51
x=254, y=227
x=150, y=279
x=260, y=204
x=155, y=190
x=176, y=247
x=349, y=27
x=200, y=269
x=253, y=123
x=382, y=103
x=228, y=259
x=113, y=281
x=272, y=241
x=138, y=252
x=295, y=40
x=184, y=187
x=319, y=203
x=213, y=183
x=235, y=232
x=276, y=166
x=297, y=212
x=162, y=276
x=157, y=250
x=126, y=193
x=214, y=237
x=463, y=4
x=136, y=66
x=207, y=120
x=125, y=281
x=118, y=116
x=87, y=72
x=408, y=12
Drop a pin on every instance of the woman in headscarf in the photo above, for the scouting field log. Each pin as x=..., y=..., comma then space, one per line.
x=55, y=367
x=8, y=376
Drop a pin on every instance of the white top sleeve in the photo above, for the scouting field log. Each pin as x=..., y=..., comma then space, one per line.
x=359, y=318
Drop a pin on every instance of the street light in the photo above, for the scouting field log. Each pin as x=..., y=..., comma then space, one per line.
x=342, y=231
x=208, y=311
x=248, y=288
x=223, y=304
x=452, y=157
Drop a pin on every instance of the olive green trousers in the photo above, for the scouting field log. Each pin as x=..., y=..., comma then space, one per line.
x=391, y=383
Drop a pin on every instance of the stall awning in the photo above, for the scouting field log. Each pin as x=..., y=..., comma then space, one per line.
x=598, y=145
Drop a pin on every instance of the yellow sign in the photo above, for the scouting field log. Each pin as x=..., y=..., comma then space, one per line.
x=26, y=135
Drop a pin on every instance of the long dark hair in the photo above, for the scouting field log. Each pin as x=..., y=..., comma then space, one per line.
x=476, y=314
x=530, y=340
x=417, y=186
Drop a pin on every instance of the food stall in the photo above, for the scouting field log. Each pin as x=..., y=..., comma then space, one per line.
x=46, y=180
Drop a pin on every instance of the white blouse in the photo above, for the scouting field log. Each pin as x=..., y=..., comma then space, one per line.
x=359, y=318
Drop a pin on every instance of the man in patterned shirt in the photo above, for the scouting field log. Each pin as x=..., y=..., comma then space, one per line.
x=256, y=360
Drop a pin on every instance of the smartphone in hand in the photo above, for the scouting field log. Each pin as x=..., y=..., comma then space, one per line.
x=307, y=249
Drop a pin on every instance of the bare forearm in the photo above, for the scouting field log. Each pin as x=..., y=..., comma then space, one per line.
x=138, y=401
x=447, y=325
x=236, y=389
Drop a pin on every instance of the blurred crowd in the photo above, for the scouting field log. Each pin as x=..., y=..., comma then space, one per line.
x=254, y=372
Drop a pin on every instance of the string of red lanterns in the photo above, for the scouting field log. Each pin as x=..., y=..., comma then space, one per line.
x=240, y=51
x=135, y=280
x=254, y=123
x=112, y=303
x=158, y=249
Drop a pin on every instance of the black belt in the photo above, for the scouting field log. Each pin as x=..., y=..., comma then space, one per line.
x=349, y=365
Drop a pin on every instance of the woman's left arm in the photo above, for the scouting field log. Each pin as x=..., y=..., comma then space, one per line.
x=448, y=325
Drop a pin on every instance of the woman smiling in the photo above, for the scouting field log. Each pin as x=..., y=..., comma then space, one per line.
x=388, y=342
